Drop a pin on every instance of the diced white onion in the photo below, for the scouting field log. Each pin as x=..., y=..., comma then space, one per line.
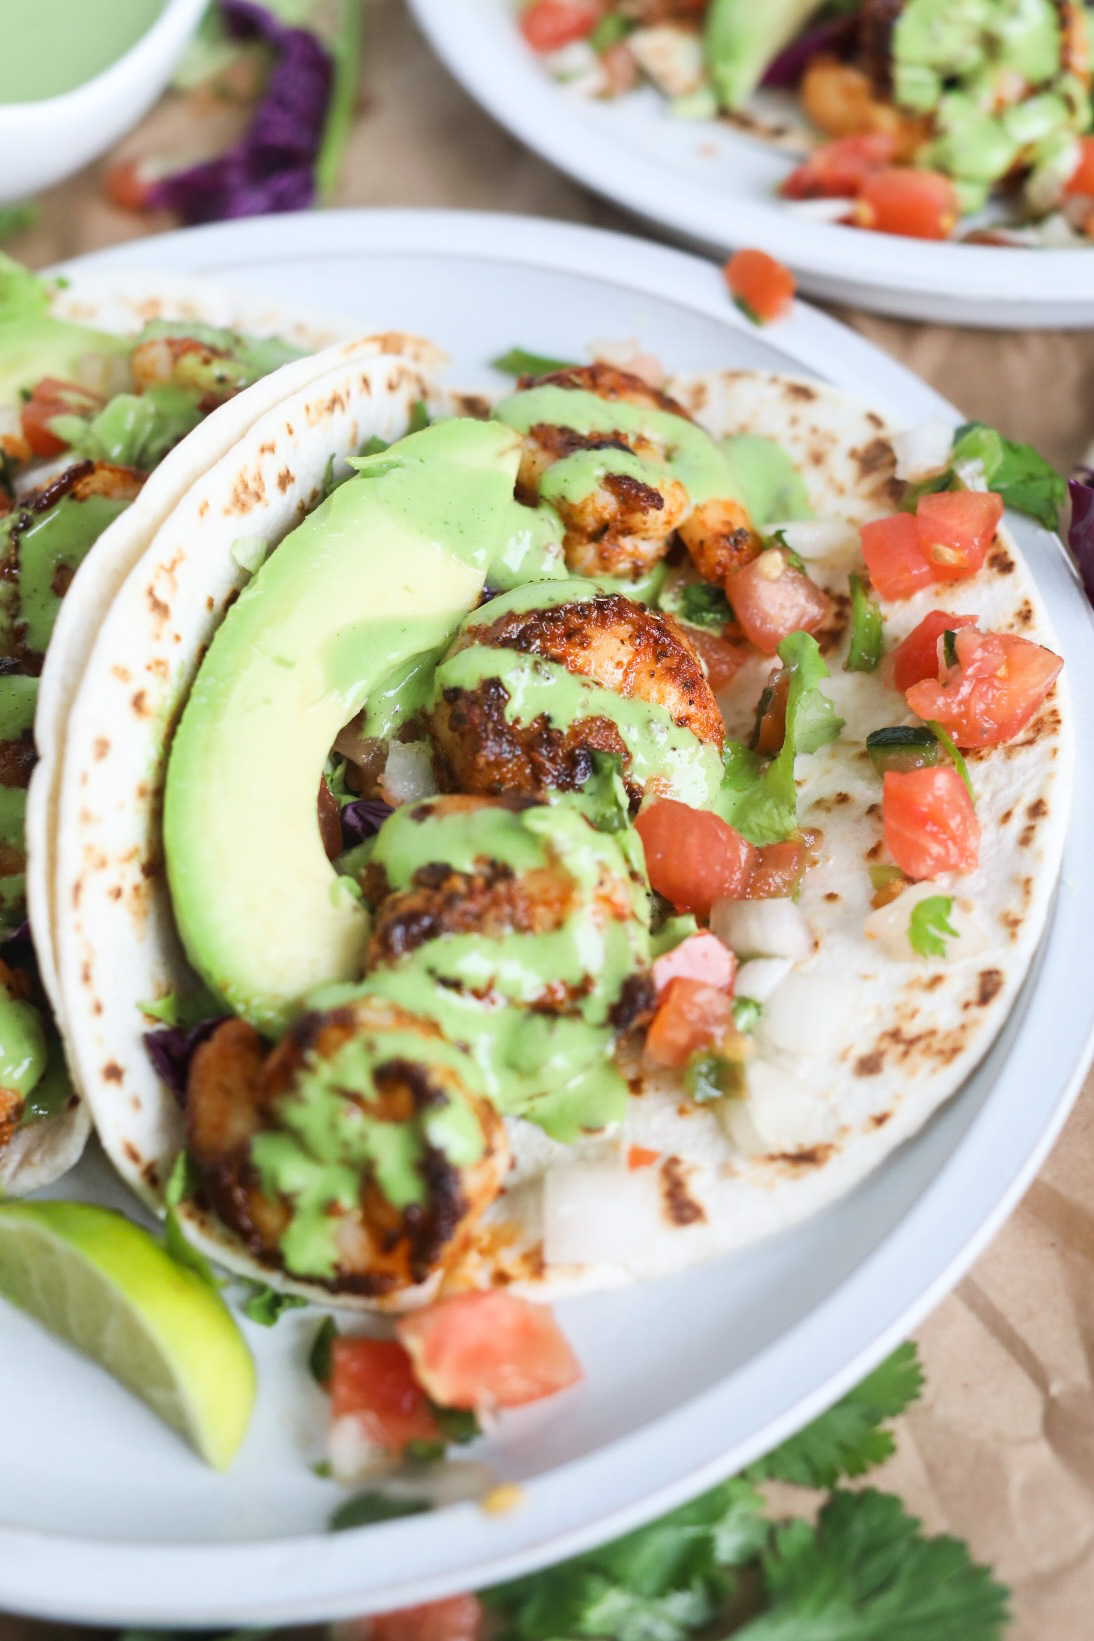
x=1044, y=189
x=671, y=57
x=104, y=373
x=889, y=926
x=780, y=1113
x=818, y=538
x=408, y=773
x=759, y=977
x=600, y=1212
x=577, y=66
x=971, y=474
x=809, y=1014
x=923, y=449
x=762, y=928
x=352, y=1453
x=629, y=356
x=10, y=423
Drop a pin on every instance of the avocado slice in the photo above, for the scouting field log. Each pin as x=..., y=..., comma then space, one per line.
x=32, y=343
x=742, y=38
x=382, y=571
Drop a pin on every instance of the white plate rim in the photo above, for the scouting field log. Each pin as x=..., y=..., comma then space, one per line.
x=639, y=1476
x=976, y=284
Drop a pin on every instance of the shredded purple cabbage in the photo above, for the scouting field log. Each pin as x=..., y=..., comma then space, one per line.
x=1080, y=533
x=19, y=937
x=836, y=35
x=362, y=819
x=272, y=168
x=172, y=1048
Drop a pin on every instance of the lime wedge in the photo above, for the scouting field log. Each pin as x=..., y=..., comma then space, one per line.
x=104, y=1285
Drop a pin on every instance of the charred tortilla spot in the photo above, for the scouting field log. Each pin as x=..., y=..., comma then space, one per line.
x=284, y=479
x=869, y=1065
x=989, y=985
x=1036, y=809
x=878, y=1119
x=159, y=609
x=680, y=1208
x=811, y=1156
x=1027, y=835
x=102, y=747
x=999, y=559
x=140, y=704
x=112, y=1072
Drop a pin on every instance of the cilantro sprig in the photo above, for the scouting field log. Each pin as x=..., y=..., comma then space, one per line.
x=864, y=1571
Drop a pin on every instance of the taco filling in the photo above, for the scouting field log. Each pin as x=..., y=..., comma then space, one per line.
x=636, y=850
x=927, y=111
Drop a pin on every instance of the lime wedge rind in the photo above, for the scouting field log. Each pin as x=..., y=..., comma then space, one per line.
x=109, y=1289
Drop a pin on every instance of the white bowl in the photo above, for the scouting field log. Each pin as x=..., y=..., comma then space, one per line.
x=44, y=141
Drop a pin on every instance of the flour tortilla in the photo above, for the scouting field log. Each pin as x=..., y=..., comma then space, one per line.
x=919, y=1027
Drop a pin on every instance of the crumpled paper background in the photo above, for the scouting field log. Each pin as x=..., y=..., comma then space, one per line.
x=1000, y=1450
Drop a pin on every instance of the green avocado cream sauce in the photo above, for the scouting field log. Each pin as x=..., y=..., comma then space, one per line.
x=552, y=1068
x=325, y=1143
x=23, y=1050
x=957, y=61
x=53, y=46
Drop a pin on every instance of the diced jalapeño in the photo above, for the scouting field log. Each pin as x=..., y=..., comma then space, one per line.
x=902, y=748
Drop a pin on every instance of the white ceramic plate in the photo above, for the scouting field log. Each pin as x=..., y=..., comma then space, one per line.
x=715, y=187
x=106, y=1518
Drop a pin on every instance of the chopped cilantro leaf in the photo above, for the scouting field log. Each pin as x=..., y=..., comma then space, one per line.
x=366, y=1509
x=865, y=1572
x=949, y=647
x=173, y=1010
x=609, y=31
x=758, y=799
x=848, y=1440
x=604, y=798
x=321, y=1355
x=702, y=605
x=1014, y=471
x=419, y=416
x=458, y=1425
x=265, y=1305
x=518, y=362
x=374, y=446
x=928, y=923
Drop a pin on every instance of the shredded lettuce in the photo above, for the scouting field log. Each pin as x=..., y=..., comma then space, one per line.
x=758, y=798
x=133, y=430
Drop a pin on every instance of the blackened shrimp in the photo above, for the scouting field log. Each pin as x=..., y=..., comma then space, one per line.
x=238, y=1094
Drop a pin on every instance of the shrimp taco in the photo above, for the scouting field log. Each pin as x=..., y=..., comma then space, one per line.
x=551, y=847
x=115, y=395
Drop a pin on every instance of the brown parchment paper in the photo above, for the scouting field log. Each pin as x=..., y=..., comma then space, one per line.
x=1001, y=1448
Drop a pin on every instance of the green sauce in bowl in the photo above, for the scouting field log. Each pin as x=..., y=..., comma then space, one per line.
x=53, y=46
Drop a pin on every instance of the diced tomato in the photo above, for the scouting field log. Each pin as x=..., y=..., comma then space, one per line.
x=548, y=25
x=916, y=656
x=778, y=871
x=761, y=287
x=1081, y=180
x=956, y=528
x=692, y=856
x=372, y=1381
x=128, y=185
x=837, y=170
x=894, y=556
x=699, y=957
x=689, y=1018
x=917, y=204
x=52, y=398
x=459, y=1618
x=771, y=599
x=992, y=692
x=929, y=821
x=485, y=1350
x=640, y=1157
x=722, y=659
